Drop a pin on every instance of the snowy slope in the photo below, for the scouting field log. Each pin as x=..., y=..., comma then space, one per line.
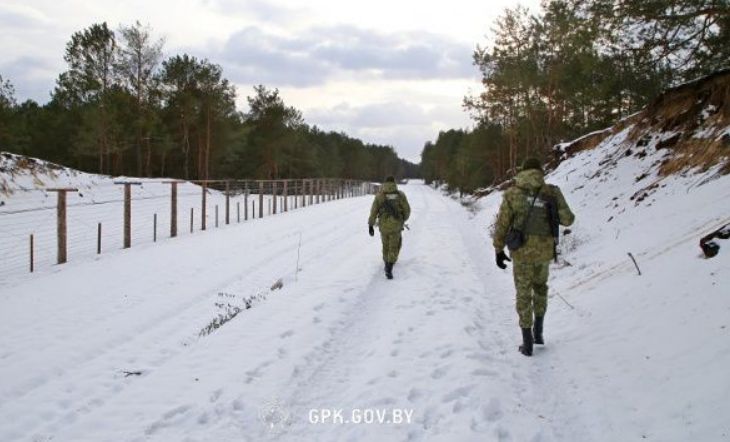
x=638, y=357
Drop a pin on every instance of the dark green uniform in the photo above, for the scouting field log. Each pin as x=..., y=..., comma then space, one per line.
x=531, y=261
x=390, y=208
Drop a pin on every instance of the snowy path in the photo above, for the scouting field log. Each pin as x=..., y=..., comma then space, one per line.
x=437, y=340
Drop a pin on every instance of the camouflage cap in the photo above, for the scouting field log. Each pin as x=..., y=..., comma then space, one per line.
x=531, y=163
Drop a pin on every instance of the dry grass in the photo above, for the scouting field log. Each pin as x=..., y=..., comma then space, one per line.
x=590, y=141
x=679, y=113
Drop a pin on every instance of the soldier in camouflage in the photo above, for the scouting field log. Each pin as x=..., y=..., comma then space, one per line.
x=391, y=210
x=530, y=195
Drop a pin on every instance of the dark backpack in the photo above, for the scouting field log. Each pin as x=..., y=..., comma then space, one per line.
x=390, y=206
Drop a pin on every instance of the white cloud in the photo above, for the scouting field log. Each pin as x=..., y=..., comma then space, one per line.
x=388, y=72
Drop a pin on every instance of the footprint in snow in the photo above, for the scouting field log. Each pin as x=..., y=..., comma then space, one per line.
x=456, y=394
x=203, y=419
x=484, y=372
x=439, y=372
x=286, y=334
x=492, y=412
x=237, y=405
x=414, y=394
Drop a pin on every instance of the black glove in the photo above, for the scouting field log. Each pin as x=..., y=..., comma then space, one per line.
x=371, y=230
x=501, y=258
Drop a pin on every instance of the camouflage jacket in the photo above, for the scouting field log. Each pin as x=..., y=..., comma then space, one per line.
x=390, y=208
x=513, y=211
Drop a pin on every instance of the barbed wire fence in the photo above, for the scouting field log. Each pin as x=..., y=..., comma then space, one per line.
x=57, y=225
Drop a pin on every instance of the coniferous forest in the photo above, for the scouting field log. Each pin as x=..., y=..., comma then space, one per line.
x=573, y=67
x=122, y=108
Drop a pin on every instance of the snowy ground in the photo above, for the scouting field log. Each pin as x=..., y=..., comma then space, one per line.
x=628, y=357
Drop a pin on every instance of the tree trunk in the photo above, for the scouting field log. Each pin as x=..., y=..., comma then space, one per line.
x=148, y=162
x=207, y=143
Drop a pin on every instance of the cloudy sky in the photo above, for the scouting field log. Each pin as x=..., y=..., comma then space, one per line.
x=386, y=71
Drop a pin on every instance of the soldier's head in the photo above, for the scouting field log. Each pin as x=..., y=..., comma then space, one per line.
x=390, y=179
x=531, y=163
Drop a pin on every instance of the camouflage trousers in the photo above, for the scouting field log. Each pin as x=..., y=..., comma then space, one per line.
x=531, y=284
x=391, y=245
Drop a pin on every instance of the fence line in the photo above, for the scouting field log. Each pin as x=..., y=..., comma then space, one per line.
x=30, y=237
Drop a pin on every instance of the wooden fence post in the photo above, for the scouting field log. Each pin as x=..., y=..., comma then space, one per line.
x=286, y=196
x=238, y=211
x=61, y=228
x=261, y=199
x=304, y=193
x=228, y=202
x=173, y=208
x=154, y=229
x=31, y=253
x=128, y=212
x=203, y=213
x=191, y=219
x=274, y=195
x=245, y=204
x=62, y=253
x=61, y=231
x=98, y=239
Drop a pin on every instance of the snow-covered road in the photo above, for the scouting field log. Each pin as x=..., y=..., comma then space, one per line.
x=438, y=340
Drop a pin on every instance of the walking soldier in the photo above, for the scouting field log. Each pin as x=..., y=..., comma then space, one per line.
x=527, y=223
x=391, y=210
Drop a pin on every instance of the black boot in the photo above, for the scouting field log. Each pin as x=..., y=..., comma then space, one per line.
x=526, y=347
x=537, y=330
x=389, y=270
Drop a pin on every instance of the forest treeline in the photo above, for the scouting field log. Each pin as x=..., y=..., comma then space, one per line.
x=122, y=109
x=573, y=67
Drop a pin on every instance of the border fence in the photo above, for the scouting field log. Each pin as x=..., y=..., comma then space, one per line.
x=65, y=223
